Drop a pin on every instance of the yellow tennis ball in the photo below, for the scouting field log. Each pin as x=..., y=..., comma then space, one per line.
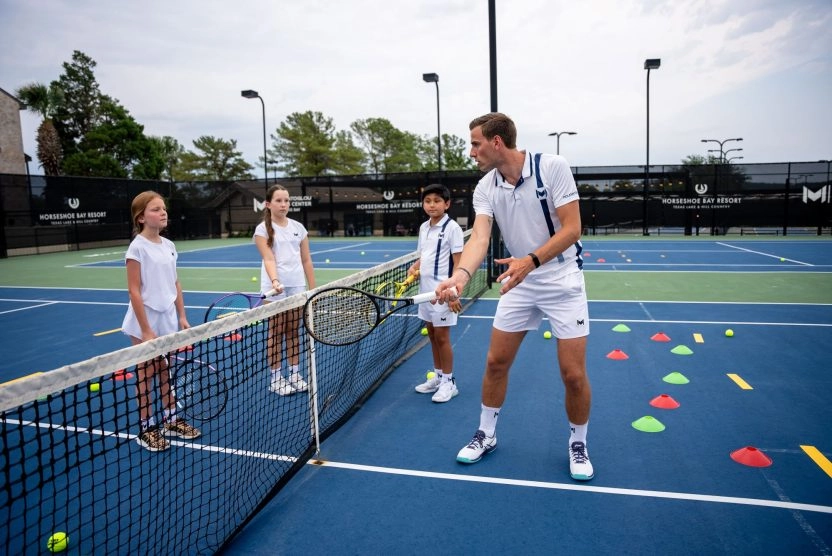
x=254, y=278
x=327, y=261
x=57, y=542
x=362, y=252
x=782, y=260
x=431, y=375
x=424, y=331
x=547, y=335
x=94, y=387
x=729, y=332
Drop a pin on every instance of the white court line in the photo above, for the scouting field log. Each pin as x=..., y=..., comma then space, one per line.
x=761, y=253
x=44, y=304
x=578, y=487
x=793, y=506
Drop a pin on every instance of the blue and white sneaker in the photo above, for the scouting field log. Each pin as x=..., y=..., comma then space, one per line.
x=579, y=465
x=477, y=448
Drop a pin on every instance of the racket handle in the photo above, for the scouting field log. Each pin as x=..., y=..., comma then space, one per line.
x=428, y=296
x=271, y=292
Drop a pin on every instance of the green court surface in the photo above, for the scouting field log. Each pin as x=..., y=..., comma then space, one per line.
x=64, y=270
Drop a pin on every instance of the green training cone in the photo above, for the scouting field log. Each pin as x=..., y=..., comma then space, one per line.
x=682, y=350
x=676, y=378
x=620, y=328
x=648, y=424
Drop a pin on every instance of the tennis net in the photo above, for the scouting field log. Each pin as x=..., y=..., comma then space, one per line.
x=71, y=463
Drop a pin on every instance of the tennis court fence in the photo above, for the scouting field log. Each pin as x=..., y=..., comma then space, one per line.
x=71, y=463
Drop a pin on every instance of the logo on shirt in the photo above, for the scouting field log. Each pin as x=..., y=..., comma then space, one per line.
x=571, y=194
x=441, y=235
x=541, y=193
x=580, y=322
x=296, y=234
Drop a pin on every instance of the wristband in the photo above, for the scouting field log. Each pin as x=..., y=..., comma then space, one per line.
x=535, y=260
x=465, y=271
x=275, y=280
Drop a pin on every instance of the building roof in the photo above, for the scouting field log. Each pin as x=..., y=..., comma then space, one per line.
x=22, y=106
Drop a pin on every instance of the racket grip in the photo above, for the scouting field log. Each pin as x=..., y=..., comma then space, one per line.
x=428, y=296
x=271, y=292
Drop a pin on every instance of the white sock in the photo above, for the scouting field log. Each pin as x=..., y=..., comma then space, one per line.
x=148, y=423
x=446, y=377
x=276, y=374
x=294, y=370
x=170, y=415
x=577, y=432
x=488, y=419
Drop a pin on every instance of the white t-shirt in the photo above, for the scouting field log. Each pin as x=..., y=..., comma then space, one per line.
x=526, y=213
x=286, y=249
x=436, y=246
x=158, y=271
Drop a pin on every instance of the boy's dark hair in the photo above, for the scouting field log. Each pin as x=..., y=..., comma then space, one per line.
x=439, y=189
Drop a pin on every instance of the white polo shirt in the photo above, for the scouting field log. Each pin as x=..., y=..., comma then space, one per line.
x=436, y=246
x=286, y=249
x=526, y=213
x=158, y=271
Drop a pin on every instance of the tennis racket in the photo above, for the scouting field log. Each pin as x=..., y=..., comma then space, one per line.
x=200, y=390
x=343, y=316
x=395, y=289
x=237, y=302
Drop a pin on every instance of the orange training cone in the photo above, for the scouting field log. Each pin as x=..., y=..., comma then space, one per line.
x=618, y=355
x=233, y=337
x=122, y=375
x=660, y=337
x=602, y=260
x=664, y=401
x=751, y=457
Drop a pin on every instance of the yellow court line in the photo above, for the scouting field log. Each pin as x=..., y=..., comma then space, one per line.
x=107, y=332
x=698, y=338
x=22, y=378
x=740, y=382
x=818, y=458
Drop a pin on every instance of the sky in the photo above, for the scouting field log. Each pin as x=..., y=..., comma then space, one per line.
x=756, y=69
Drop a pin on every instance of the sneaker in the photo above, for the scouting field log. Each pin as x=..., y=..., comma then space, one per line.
x=429, y=386
x=477, y=448
x=281, y=386
x=446, y=391
x=152, y=440
x=181, y=429
x=579, y=465
x=297, y=383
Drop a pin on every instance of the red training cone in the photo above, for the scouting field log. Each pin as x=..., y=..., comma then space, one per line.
x=602, y=260
x=618, y=355
x=664, y=401
x=660, y=337
x=122, y=375
x=234, y=337
x=751, y=457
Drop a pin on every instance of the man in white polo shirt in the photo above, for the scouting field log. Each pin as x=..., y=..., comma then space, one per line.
x=534, y=200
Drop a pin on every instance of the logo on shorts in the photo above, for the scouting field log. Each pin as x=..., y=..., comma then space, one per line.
x=443, y=319
x=580, y=322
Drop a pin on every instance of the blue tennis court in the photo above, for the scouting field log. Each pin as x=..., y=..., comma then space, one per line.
x=387, y=480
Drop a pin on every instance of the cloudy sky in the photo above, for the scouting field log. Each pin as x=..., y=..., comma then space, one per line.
x=757, y=69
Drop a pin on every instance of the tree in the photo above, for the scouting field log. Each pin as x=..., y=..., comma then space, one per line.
x=44, y=101
x=387, y=149
x=216, y=160
x=115, y=147
x=78, y=113
x=348, y=157
x=304, y=145
x=455, y=154
x=171, y=152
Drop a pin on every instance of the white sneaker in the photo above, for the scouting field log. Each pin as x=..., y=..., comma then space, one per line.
x=281, y=386
x=579, y=465
x=297, y=383
x=430, y=386
x=477, y=448
x=446, y=391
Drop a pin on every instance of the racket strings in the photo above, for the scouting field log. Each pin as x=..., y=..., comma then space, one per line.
x=340, y=317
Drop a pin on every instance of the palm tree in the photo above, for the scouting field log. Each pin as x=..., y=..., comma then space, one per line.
x=44, y=101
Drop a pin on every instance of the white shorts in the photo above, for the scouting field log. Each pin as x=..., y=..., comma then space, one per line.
x=288, y=291
x=161, y=322
x=562, y=300
x=439, y=314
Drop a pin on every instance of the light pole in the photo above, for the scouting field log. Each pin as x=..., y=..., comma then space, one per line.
x=721, y=144
x=248, y=93
x=734, y=158
x=557, y=135
x=649, y=64
x=434, y=78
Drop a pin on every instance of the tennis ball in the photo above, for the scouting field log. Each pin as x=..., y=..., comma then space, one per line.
x=254, y=278
x=327, y=261
x=547, y=335
x=424, y=331
x=57, y=542
x=729, y=332
x=362, y=252
x=431, y=375
x=94, y=387
x=782, y=260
